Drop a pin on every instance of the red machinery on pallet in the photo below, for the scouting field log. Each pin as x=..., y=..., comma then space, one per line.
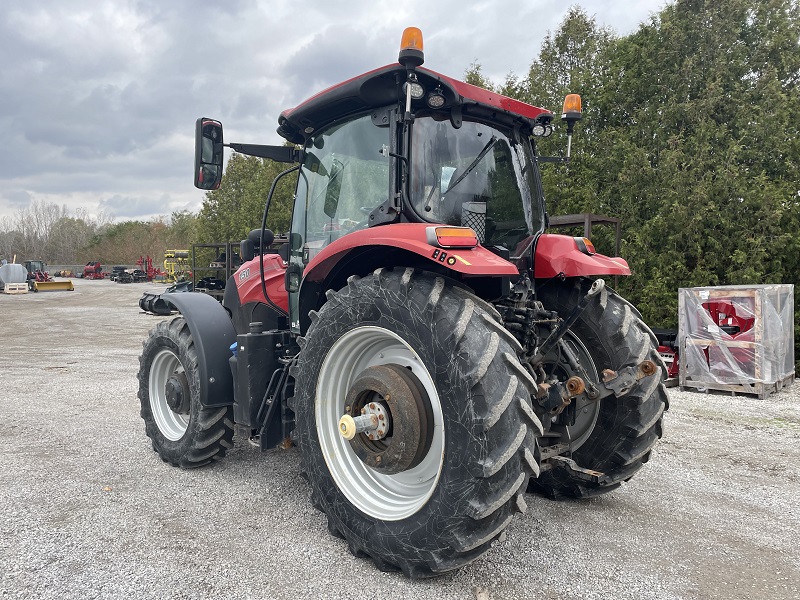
x=724, y=315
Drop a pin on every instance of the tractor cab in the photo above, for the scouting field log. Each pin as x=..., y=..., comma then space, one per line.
x=403, y=144
x=478, y=175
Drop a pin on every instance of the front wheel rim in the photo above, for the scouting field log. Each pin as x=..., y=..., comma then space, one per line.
x=379, y=495
x=172, y=425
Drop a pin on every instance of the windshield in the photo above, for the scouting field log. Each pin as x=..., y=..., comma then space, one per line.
x=475, y=176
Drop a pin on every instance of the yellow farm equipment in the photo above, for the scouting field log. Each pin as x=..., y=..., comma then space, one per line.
x=177, y=265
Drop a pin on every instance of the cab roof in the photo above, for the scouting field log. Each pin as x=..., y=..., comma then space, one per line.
x=383, y=87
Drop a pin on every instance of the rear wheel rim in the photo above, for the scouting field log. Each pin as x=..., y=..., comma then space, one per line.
x=586, y=409
x=379, y=495
x=172, y=425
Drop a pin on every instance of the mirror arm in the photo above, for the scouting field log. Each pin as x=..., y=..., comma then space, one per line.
x=283, y=154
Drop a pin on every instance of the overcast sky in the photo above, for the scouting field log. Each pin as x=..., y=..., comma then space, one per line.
x=98, y=98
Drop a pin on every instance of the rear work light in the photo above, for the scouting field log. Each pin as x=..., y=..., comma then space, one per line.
x=452, y=237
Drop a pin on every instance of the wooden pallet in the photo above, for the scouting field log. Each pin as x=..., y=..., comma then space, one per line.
x=759, y=389
x=15, y=288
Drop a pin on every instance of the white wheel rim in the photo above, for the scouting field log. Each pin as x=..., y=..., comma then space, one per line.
x=171, y=424
x=385, y=497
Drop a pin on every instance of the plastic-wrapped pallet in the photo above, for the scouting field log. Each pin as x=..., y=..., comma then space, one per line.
x=737, y=338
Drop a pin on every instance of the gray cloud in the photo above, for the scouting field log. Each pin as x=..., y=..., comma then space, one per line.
x=98, y=98
x=127, y=206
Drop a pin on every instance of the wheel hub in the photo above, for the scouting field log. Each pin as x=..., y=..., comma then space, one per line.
x=388, y=420
x=176, y=391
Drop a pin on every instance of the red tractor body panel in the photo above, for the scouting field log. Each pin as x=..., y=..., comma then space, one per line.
x=557, y=254
x=412, y=237
x=248, y=281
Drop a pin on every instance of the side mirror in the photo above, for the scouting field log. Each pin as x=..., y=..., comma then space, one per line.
x=208, y=155
x=295, y=242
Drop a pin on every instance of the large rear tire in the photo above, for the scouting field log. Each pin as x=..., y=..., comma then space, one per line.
x=437, y=503
x=617, y=436
x=183, y=432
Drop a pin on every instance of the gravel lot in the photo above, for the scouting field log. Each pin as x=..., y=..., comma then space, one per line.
x=88, y=510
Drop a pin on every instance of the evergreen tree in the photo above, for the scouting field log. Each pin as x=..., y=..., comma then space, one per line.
x=229, y=213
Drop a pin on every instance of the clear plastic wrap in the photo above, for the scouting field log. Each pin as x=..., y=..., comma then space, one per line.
x=737, y=338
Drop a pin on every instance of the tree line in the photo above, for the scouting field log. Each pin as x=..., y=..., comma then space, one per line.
x=689, y=136
x=60, y=236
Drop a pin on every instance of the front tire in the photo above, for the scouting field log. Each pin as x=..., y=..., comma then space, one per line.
x=617, y=436
x=441, y=501
x=184, y=433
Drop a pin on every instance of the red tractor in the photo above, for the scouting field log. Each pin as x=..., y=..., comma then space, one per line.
x=433, y=352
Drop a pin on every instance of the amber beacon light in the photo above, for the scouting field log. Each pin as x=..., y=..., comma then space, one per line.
x=571, y=114
x=572, y=108
x=411, y=50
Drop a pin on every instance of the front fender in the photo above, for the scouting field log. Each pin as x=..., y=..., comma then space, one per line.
x=213, y=333
x=559, y=254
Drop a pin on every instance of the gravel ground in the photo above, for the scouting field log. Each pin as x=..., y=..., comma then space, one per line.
x=88, y=510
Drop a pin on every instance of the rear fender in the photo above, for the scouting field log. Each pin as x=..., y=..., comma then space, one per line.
x=412, y=237
x=559, y=255
x=213, y=334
